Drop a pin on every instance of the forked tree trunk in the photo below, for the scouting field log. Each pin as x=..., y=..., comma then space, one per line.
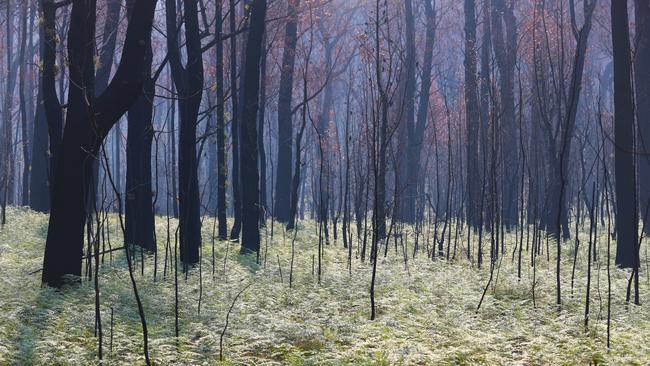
x=88, y=120
x=189, y=84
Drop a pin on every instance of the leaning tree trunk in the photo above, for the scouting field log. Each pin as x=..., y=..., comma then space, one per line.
x=88, y=121
x=102, y=77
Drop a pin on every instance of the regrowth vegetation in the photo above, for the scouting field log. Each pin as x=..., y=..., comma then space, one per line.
x=426, y=313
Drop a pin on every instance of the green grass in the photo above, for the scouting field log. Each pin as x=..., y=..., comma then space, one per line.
x=426, y=314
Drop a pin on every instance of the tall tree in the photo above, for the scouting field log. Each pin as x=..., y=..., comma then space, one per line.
x=249, y=153
x=23, y=104
x=415, y=147
x=485, y=95
x=222, y=166
x=260, y=132
x=6, y=161
x=49, y=111
x=472, y=116
x=234, y=126
x=139, y=215
x=322, y=147
x=88, y=121
x=189, y=84
x=642, y=88
x=408, y=189
x=285, y=125
x=102, y=77
x=624, y=131
x=505, y=51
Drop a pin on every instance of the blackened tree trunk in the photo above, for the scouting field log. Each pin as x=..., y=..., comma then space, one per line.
x=285, y=125
x=486, y=55
x=234, y=127
x=109, y=40
x=260, y=135
x=626, y=207
x=222, y=166
x=642, y=84
x=102, y=77
x=88, y=120
x=249, y=154
x=23, y=105
x=39, y=180
x=505, y=50
x=48, y=101
x=408, y=190
x=415, y=146
x=559, y=137
x=189, y=84
x=39, y=190
x=295, y=181
x=139, y=215
x=381, y=138
x=322, y=147
x=6, y=161
x=472, y=116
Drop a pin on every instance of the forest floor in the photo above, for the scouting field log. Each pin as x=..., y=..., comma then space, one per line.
x=426, y=312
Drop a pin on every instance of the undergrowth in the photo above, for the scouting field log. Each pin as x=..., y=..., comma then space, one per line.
x=426, y=309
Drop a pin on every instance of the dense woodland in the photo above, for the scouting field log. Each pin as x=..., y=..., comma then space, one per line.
x=184, y=178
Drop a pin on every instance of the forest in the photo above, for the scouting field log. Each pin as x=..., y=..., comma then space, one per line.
x=324, y=182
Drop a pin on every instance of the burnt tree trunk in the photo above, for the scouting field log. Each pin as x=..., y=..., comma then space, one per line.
x=139, y=215
x=285, y=126
x=234, y=128
x=642, y=84
x=48, y=101
x=222, y=166
x=260, y=135
x=472, y=116
x=23, y=105
x=408, y=188
x=88, y=121
x=505, y=50
x=189, y=84
x=626, y=207
x=39, y=182
x=6, y=159
x=102, y=77
x=249, y=154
